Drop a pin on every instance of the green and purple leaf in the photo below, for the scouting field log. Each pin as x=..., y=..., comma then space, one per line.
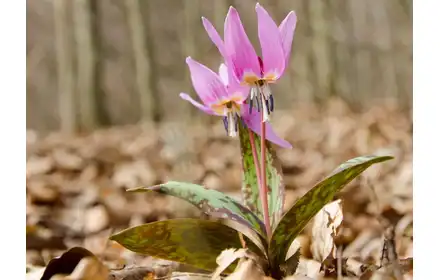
x=274, y=177
x=294, y=221
x=190, y=241
x=211, y=202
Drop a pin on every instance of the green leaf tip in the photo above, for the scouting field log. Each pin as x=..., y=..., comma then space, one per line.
x=297, y=217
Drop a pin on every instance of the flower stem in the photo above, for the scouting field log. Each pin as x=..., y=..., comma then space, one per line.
x=255, y=156
x=263, y=185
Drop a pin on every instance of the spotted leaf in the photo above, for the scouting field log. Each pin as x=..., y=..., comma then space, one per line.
x=297, y=217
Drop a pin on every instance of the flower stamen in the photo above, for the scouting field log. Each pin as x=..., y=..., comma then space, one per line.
x=262, y=97
x=231, y=118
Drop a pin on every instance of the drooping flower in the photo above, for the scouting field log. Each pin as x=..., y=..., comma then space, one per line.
x=239, y=54
x=222, y=95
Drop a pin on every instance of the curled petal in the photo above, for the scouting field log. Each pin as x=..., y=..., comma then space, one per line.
x=214, y=36
x=199, y=106
x=271, y=45
x=241, y=54
x=207, y=83
x=253, y=121
x=223, y=73
x=287, y=30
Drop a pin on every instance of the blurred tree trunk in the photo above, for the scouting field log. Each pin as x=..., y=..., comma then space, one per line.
x=320, y=48
x=220, y=10
x=343, y=72
x=66, y=84
x=189, y=40
x=86, y=68
x=145, y=79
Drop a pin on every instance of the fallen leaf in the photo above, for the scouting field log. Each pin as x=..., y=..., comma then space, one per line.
x=35, y=273
x=298, y=277
x=89, y=268
x=132, y=273
x=247, y=269
x=325, y=225
x=66, y=263
x=95, y=219
x=226, y=258
x=307, y=267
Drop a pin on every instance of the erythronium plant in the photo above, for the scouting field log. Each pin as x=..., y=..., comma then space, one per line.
x=199, y=242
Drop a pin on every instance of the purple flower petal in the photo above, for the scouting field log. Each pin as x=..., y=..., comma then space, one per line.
x=271, y=45
x=287, y=30
x=207, y=83
x=241, y=54
x=214, y=36
x=223, y=73
x=199, y=106
x=253, y=121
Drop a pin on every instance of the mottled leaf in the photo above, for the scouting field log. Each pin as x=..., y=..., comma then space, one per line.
x=212, y=202
x=274, y=177
x=291, y=264
x=294, y=221
x=190, y=241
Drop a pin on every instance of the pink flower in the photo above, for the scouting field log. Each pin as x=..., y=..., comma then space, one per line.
x=240, y=56
x=222, y=95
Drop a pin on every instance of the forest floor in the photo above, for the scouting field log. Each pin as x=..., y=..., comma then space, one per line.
x=76, y=185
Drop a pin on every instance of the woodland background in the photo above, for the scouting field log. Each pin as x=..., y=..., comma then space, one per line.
x=111, y=62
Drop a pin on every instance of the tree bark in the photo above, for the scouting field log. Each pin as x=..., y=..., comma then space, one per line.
x=144, y=73
x=64, y=53
x=86, y=60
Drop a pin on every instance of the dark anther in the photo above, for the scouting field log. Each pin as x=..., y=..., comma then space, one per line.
x=251, y=103
x=267, y=106
x=225, y=123
x=271, y=102
x=258, y=103
x=229, y=105
x=236, y=118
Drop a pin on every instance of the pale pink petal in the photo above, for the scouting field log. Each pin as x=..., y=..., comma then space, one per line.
x=214, y=36
x=205, y=109
x=206, y=83
x=287, y=30
x=253, y=121
x=223, y=72
x=239, y=92
x=271, y=45
x=241, y=54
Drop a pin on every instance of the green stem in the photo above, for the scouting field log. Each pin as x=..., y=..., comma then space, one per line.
x=263, y=185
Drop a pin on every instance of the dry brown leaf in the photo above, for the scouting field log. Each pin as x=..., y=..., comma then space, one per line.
x=35, y=273
x=307, y=267
x=89, y=268
x=324, y=229
x=298, y=277
x=38, y=165
x=95, y=219
x=133, y=273
x=247, y=270
x=225, y=259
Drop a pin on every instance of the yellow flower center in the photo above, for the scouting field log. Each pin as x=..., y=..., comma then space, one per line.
x=229, y=105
